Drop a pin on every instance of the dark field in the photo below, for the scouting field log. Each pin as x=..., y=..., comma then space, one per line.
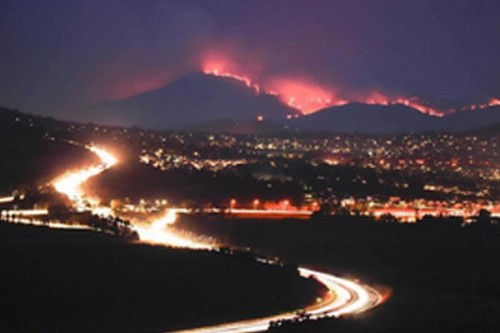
x=444, y=278
x=67, y=281
x=30, y=157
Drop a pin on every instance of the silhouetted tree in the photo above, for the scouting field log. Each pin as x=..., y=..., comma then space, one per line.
x=484, y=217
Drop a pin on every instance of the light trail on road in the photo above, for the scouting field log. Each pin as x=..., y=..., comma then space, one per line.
x=31, y=217
x=344, y=296
x=71, y=183
x=158, y=232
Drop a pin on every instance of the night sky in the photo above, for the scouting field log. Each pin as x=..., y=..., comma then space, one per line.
x=59, y=55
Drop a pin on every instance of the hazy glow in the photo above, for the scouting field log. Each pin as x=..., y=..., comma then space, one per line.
x=158, y=232
x=298, y=94
x=216, y=71
x=103, y=211
x=107, y=159
x=491, y=103
x=304, y=96
x=70, y=184
x=7, y=199
x=308, y=97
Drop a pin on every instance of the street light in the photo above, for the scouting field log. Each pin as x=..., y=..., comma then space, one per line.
x=286, y=203
x=256, y=203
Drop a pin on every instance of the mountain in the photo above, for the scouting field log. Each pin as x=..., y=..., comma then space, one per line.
x=192, y=99
x=391, y=119
x=364, y=118
x=492, y=130
x=464, y=121
x=10, y=118
x=202, y=102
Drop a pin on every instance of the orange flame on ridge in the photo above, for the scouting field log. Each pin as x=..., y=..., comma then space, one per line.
x=222, y=69
x=309, y=97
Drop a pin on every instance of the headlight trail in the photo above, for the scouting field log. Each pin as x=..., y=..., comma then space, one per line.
x=158, y=232
x=70, y=184
x=344, y=296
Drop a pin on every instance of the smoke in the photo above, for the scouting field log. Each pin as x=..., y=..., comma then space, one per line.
x=309, y=96
x=436, y=57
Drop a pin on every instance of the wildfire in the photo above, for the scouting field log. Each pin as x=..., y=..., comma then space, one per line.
x=421, y=107
x=221, y=69
x=308, y=97
x=304, y=95
x=379, y=99
x=491, y=103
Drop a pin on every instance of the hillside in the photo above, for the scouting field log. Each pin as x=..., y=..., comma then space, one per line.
x=363, y=118
x=32, y=157
x=392, y=119
x=192, y=99
x=464, y=121
x=493, y=130
x=69, y=281
x=443, y=277
x=208, y=103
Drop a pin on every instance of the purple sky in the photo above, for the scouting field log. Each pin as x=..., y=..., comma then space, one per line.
x=58, y=55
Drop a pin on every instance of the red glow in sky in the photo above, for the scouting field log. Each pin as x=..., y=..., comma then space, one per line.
x=303, y=95
x=309, y=97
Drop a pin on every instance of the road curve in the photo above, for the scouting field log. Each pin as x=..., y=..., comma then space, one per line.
x=344, y=297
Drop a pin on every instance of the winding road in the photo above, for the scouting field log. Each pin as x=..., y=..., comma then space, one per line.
x=344, y=296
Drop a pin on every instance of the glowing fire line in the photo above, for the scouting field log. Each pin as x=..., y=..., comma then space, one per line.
x=308, y=97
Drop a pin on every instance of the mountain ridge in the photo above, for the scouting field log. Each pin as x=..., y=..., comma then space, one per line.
x=392, y=119
x=195, y=98
x=199, y=101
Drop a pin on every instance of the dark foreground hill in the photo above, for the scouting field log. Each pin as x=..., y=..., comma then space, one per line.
x=444, y=278
x=67, y=281
x=392, y=119
x=30, y=156
x=492, y=130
